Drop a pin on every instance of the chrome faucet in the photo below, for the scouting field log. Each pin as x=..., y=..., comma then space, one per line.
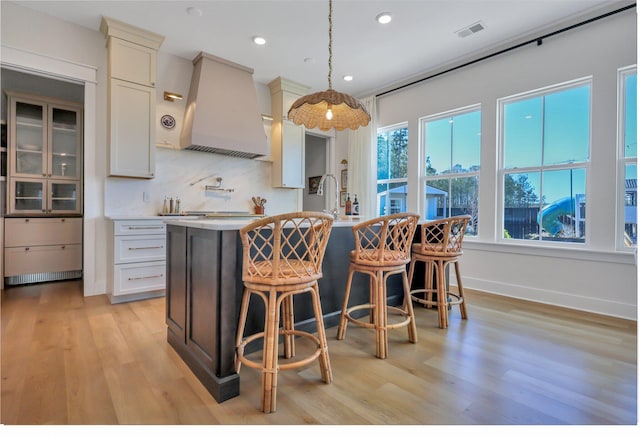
x=335, y=212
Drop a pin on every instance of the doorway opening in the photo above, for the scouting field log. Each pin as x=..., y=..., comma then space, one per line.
x=319, y=160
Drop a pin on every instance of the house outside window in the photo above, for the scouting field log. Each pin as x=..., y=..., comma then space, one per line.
x=627, y=159
x=393, y=142
x=545, y=145
x=452, y=143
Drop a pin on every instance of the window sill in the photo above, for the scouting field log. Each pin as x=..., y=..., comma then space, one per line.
x=574, y=253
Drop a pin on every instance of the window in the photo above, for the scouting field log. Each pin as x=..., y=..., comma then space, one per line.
x=392, y=169
x=452, y=165
x=627, y=158
x=545, y=150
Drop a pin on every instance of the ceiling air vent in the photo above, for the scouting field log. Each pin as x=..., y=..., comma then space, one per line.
x=468, y=30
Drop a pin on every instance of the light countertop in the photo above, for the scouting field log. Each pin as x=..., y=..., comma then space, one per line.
x=235, y=224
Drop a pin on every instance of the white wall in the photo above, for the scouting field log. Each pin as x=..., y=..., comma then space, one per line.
x=591, y=277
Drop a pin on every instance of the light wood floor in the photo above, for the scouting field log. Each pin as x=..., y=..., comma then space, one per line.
x=67, y=359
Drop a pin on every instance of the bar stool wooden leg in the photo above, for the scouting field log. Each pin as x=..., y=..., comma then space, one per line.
x=372, y=297
x=408, y=308
x=429, y=268
x=325, y=363
x=287, y=325
x=463, y=306
x=343, y=318
x=443, y=317
x=411, y=271
x=244, y=308
x=270, y=355
x=380, y=318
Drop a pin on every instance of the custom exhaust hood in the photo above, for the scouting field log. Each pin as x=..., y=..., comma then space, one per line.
x=222, y=113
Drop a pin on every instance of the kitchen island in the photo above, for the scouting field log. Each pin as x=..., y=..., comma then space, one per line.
x=204, y=289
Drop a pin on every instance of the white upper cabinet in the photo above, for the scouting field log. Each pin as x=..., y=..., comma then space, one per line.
x=132, y=62
x=132, y=56
x=287, y=138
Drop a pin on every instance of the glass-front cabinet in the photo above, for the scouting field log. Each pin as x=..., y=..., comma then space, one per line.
x=45, y=155
x=40, y=196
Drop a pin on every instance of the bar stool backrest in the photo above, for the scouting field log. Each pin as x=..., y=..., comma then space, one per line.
x=286, y=248
x=385, y=240
x=444, y=236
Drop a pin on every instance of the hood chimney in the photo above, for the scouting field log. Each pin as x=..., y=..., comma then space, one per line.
x=222, y=114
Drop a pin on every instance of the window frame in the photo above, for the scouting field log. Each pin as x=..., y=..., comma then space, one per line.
x=623, y=161
x=501, y=171
x=423, y=177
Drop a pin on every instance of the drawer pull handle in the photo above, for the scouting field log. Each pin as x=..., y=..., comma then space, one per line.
x=133, y=228
x=146, y=277
x=26, y=249
x=148, y=247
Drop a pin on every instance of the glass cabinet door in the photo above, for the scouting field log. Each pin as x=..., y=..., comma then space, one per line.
x=64, y=143
x=29, y=157
x=63, y=197
x=27, y=195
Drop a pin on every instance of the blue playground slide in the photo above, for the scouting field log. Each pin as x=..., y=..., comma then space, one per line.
x=548, y=217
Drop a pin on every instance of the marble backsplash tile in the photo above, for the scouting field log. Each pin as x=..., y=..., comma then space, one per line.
x=179, y=174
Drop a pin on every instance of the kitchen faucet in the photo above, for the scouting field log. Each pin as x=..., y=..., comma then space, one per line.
x=335, y=212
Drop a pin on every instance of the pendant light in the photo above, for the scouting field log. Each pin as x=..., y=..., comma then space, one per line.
x=329, y=109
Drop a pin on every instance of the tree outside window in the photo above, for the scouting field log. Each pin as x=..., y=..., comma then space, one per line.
x=392, y=155
x=452, y=143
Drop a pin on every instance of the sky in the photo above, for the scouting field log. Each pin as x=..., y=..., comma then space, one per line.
x=551, y=129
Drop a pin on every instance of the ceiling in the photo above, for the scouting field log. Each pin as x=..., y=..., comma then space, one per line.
x=420, y=38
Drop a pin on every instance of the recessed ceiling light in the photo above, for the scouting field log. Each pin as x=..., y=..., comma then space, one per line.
x=195, y=12
x=347, y=77
x=383, y=17
x=259, y=40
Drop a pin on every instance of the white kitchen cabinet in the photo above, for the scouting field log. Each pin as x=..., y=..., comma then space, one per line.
x=136, y=259
x=45, y=156
x=42, y=249
x=131, y=129
x=132, y=62
x=287, y=138
x=131, y=98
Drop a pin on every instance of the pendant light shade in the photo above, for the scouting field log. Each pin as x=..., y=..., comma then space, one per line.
x=346, y=111
x=329, y=109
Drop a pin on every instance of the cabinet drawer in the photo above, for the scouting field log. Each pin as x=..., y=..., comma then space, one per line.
x=42, y=231
x=139, y=227
x=139, y=277
x=42, y=259
x=137, y=248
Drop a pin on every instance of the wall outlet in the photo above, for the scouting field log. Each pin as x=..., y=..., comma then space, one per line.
x=145, y=196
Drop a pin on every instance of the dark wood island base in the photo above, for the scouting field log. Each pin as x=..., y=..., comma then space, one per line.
x=204, y=289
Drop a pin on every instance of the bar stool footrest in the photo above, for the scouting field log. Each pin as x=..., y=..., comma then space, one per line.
x=369, y=325
x=281, y=366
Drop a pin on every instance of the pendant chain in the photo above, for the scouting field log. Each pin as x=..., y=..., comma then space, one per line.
x=330, y=41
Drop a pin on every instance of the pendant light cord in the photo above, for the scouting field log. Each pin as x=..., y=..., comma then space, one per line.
x=330, y=41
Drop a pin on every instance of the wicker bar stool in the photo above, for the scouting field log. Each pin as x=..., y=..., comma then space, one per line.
x=440, y=245
x=382, y=248
x=282, y=257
